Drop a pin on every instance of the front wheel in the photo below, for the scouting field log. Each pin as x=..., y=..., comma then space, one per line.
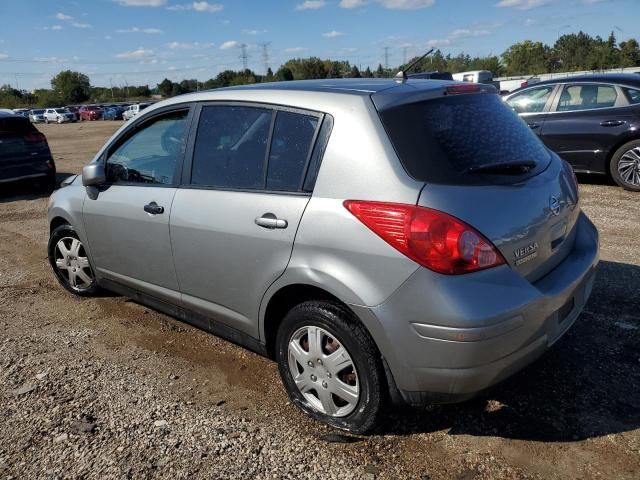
x=330, y=366
x=625, y=166
x=69, y=260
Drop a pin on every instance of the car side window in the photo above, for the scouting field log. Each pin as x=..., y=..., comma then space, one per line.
x=292, y=140
x=633, y=95
x=531, y=100
x=149, y=154
x=231, y=147
x=586, y=97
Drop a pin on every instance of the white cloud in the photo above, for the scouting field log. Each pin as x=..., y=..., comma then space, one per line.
x=139, y=53
x=529, y=22
x=56, y=27
x=229, y=44
x=438, y=42
x=466, y=33
x=139, y=30
x=252, y=31
x=332, y=34
x=198, y=7
x=189, y=46
x=390, y=4
x=3, y=55
x=141, y=3
x=63, y=17
x=521, y=4
x=294, y=49
x=311, y=5
x=81, y=25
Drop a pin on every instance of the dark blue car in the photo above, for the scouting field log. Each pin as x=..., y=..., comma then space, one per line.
x=112, y=113
x=24, y=152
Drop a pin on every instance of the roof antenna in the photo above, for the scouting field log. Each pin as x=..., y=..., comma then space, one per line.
x=401, y=76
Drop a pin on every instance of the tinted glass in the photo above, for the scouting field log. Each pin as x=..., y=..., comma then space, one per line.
x=633, y=95
x=15, y=126
x=530, y=101
x=441, y=140
x=585, y=97
x=290, y=147
x=231, y=147
x=150, y=155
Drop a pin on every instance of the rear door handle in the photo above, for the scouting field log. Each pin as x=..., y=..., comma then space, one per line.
x=153, y=208
x=533, y=126
x=612, y=123
x=270, y=221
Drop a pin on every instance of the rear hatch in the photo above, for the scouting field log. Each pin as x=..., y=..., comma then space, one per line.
x=482, y=164
x=21, y=142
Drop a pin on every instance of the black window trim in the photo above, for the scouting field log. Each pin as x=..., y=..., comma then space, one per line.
x=275, y=108
x=137, y=124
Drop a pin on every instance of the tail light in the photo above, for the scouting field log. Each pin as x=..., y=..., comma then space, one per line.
x=462, y=88
x=33, y=137
x=524, y=84
x=433, y=239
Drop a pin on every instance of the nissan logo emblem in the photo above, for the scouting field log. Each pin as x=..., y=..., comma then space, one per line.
x=554, y=205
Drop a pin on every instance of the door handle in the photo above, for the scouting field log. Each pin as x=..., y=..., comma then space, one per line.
x=533, y=126
x=270, y=221
x=153, y=208
x=612, y=123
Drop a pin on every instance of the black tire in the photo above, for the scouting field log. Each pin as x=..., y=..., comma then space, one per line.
x=615, y=160
x=61, y=232
x=352, y=335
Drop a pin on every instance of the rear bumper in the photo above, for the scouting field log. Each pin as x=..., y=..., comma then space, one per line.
x=24, y=171
x=446, y=338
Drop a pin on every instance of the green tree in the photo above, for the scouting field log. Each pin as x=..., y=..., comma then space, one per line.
x=71, y=87
x=526, y=58
x=165, y=87
x=284, y=74
x=630, y=53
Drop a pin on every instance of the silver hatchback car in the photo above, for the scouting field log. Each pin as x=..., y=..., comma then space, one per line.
x=383, y=241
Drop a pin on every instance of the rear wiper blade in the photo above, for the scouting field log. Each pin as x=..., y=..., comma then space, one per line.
x=508, y=168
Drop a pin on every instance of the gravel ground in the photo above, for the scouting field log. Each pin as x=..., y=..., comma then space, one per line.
x=106, y=388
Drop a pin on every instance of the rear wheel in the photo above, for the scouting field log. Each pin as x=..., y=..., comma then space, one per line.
x=625, y=166
x=330, y=366
x=70, y=263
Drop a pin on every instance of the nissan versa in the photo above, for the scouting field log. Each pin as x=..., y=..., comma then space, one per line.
x=409, y=241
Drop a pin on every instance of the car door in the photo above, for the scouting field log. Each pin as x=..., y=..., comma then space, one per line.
x=532, y=104
x=585, y=122
x=127, y=219
x=233, y=223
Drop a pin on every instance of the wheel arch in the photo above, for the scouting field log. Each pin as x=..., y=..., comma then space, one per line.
x=631, y=137
x=56, y=222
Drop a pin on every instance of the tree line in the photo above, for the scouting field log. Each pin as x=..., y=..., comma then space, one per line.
x=570, y=52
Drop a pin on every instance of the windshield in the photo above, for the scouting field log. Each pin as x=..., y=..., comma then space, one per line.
x=443, y=140
x=37, y=112
x=60, y=110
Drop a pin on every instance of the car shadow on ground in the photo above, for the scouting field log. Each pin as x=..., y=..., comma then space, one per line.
x=595, y=179
x=28, y=190
x=587, y=385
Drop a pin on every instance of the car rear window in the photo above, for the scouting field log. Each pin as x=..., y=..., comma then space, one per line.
x=443, y=140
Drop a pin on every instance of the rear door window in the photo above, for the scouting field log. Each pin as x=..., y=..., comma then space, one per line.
x=586, y=97
x=253, y=148
x=532, y=100
x=633, y=95
x=446, y=139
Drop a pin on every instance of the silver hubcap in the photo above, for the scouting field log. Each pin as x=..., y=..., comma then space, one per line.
x=72, y=262
x=323, y=371
x=629, y=167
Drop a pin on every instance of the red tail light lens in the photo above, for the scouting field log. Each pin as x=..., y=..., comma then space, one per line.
x=431, y=238
x=35, y=137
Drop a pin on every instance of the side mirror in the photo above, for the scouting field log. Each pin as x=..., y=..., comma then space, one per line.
x=93, y=174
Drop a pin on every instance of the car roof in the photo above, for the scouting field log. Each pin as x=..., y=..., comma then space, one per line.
x=630, y=79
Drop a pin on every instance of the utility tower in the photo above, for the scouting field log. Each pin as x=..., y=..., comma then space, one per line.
x=405, y=49
x=386, y=58
x=244, y=56
x=265, y=56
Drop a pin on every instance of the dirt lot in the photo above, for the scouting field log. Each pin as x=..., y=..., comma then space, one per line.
x=105, y=388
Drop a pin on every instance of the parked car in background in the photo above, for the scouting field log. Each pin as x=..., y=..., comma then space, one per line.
x=36, y=115
x=76, y=112
x=58, y=115
x=90, y=112
x=133, y=110
x=507, y=86
x=23, y=112
x=446, y=253
x=592, y=121
x=431, y=76
x=112, y=113
x=24, y=152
